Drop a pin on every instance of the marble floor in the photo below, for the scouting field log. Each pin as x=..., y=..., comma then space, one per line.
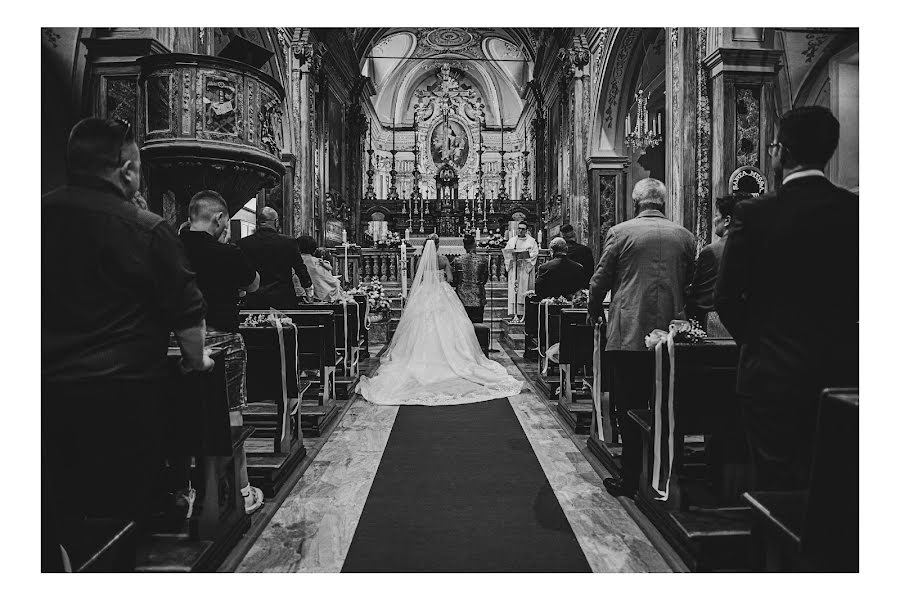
x=312, y=530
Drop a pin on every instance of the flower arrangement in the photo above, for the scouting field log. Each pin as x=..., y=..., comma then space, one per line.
x=580, y=299
x=391, y=240
x=379, y=301
x=265, y=320
x=494, y=241
x=686, y=332
x=689, y=332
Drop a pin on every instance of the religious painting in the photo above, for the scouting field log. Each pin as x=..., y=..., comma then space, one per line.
x=449, y=144
x=335, y=144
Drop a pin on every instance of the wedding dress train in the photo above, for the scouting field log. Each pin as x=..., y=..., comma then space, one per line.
x=434, y=358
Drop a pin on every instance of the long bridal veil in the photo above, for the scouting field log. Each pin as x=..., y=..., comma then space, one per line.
x=434, y=357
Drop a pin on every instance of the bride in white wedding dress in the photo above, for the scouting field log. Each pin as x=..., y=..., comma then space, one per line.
x=434, y=358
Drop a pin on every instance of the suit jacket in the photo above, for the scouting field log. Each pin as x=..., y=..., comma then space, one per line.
x=470, y=274
x=560, y=276
x=275, y=256
x=647, y=263
x=788, y=287
x=701, y=294
x=583, y=256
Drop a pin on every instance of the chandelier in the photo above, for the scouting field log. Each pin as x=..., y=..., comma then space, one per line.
x=646, y=133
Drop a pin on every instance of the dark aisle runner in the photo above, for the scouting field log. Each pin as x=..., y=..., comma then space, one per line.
x=459, y=489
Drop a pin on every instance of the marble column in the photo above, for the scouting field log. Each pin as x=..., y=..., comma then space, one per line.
x=742, y=114
x=300, y=75
x=681, y=125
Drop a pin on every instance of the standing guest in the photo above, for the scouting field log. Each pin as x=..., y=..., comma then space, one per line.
x=647, y=263
x=578, y=252
x=326, y=287
x=700, y=296
x=520, y=254
x=776, y=293
x=276, y=258
x=222, y=273
x=560, y=276
x=470, y=274
x=114, y=283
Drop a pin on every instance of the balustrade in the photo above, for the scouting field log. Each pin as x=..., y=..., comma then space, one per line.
x=384, y=264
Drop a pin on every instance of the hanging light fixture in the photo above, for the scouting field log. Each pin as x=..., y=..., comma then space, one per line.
x=646, y=133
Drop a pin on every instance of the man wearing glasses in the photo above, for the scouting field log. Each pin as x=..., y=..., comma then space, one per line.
x=114, y=283
x=787, y=291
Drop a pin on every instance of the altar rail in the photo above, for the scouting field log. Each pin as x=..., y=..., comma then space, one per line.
x=365, y=263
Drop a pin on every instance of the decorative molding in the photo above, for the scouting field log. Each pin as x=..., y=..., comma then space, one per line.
x=747, y=126
x=612, y=94
x=814, y=41
x=746, y=60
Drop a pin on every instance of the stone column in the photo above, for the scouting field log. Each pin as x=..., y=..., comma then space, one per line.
x=681, y=126
x=300, y=78
x=575, y=59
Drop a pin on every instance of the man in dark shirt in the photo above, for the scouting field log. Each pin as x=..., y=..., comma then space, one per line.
x=222, y=272
x=559, y=276
x=274, y=256
x=577, y=252
x=114, y=284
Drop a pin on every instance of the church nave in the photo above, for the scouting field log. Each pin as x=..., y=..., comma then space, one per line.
x=434, y=514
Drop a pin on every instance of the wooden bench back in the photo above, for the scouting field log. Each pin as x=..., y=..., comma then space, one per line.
x=831, y=528
x=351, y=336
x=576, y=338
x=197, y=407
x=705, y=380
x=264, y=363
x=316, y=338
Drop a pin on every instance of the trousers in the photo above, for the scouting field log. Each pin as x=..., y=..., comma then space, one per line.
x=632, y=374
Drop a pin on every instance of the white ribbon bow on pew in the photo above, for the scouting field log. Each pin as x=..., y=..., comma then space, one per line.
x=663, y=418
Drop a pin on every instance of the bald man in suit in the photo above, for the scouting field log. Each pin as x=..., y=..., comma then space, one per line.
x=275, y=256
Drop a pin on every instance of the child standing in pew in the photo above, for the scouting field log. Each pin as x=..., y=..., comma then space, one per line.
x=223, y=272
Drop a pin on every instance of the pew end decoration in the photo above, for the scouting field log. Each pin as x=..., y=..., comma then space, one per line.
x=379, y=303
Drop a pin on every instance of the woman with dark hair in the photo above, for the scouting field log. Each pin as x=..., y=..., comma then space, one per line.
x=699, y=302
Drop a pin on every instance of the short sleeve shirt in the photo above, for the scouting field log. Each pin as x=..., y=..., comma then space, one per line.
x=221, y=270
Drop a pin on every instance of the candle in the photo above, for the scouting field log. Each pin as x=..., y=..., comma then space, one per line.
x=477, y=235
x=407, y=233
x=343, y=236
x=627, y=123
x=540, y=236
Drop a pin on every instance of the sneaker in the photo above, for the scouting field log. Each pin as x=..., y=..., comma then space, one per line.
x=253, y=499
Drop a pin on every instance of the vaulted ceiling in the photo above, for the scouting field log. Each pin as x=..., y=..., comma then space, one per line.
x=496, y=62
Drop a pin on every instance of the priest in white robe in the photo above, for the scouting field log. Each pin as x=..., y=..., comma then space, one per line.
x=520, y=254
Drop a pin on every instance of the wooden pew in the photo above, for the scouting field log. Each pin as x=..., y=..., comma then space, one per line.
x=346, y=341
x=201, y=427
x=362, y=300
x=576, y=351
x=316, y=352
x=531, y=327
x=816, y=529
x=273, y=409
x=708, y=533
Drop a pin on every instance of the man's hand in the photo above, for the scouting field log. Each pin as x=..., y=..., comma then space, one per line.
x=206, y=365
x=591, y=320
